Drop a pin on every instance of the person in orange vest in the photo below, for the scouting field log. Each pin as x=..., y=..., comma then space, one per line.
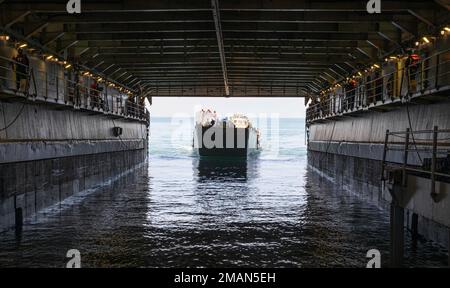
x=412, y=66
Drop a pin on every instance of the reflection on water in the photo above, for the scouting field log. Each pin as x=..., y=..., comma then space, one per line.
x=227, y=217
x=216, y=170
x=220, y=169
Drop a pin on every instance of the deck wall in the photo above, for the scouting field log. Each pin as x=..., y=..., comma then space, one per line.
x=350, y=151
x=50, y=154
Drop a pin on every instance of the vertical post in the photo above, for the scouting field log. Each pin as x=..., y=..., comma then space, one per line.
x=405, y=157
x=106, y=101
x=436, y=75
x=89, y=104
x=19, y=219
x=397, y=231
x=46, y=84
x=383, y=164
x=57, y=88
x=414, y=225
x=433, y=162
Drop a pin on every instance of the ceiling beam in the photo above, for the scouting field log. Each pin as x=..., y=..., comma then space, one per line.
x=409, y=28
x=443, y=3
x=223, y=61
x=227, y=17
x=188, y=35
x=279, y=27
x=202, y=5
x=53, y=39
x=36, y=30
x=17, y=19
x=71, y=44
x=421, y=18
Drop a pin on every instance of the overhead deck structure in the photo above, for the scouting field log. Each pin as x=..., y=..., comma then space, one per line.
x=259, y=48
x=378, y=83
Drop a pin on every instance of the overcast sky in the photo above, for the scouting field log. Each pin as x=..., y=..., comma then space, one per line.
x=285, y=107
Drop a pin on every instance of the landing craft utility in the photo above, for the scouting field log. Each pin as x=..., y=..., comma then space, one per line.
x=233, y=136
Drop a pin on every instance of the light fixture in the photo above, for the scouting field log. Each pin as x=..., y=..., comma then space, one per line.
x=23, y=45
x=68, y=66
x=360, y=74
x=393, y=58
x=49, y=57
x=447, y=29
x=376, y=65
x=426, y=39
x=443, y=32
x=4, y=37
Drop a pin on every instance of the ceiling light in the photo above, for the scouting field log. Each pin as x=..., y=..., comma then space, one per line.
x=426, y=39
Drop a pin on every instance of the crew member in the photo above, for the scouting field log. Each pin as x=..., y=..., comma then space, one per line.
x=21, y=66
x=350, y=94
x=412, y=66
x=369, y=90
x=95, y=94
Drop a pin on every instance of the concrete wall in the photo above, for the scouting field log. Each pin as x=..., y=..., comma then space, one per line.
x=361, y=177
x=370, y=127
x=48, y=155
x=36, y=185
x=41, y=132
x=350, y=150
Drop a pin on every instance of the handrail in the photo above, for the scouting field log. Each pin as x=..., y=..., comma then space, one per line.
x=420, y=131
x=429, y=74
x=63, y=87
x=432, y=162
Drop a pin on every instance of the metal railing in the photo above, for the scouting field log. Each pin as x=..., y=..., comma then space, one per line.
x=63, y=87
x=434, y=143
x=428, y=75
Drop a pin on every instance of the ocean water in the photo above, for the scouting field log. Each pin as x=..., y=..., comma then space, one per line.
x=177, y=210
